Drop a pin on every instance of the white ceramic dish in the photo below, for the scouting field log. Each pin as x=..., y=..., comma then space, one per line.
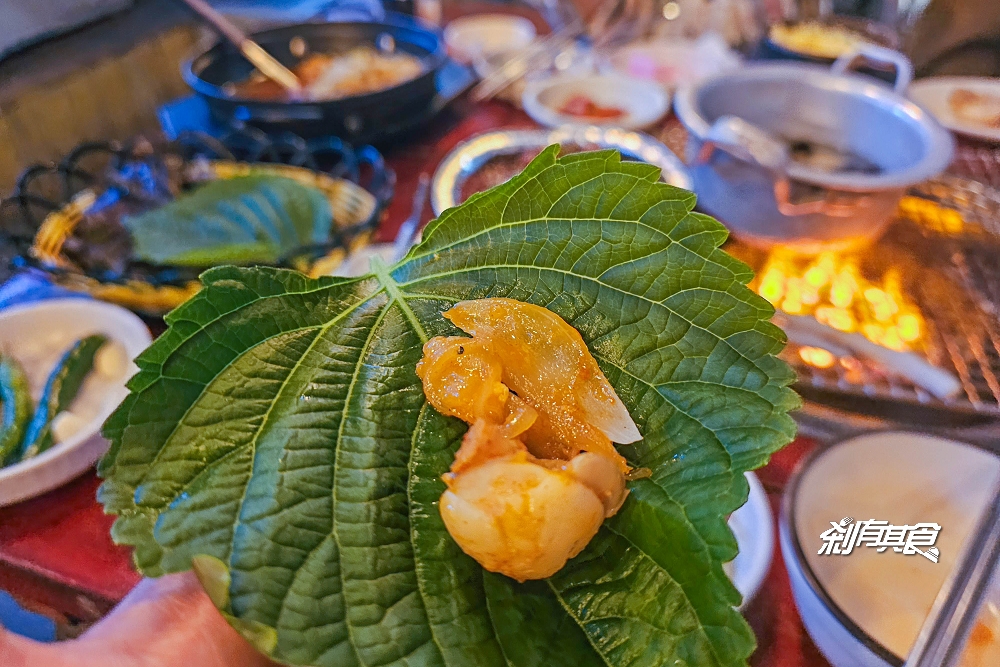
x=754, y=529
x=934, y=93
x=675, y=63
x=865, y=609
x=37, y=335
x=643, y=102
x=484, y=35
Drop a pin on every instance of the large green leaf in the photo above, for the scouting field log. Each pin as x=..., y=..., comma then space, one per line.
x=278, y=425
x=241, y=220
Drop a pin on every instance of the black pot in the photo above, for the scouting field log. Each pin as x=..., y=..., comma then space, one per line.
x=360, y=118
x=874, y=32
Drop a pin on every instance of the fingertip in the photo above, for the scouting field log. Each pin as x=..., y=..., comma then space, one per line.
x=17, y=651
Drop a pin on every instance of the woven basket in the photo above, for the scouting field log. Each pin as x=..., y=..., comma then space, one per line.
x=354, y=217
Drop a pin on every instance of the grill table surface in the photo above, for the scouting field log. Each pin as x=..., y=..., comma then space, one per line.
x=56, y=555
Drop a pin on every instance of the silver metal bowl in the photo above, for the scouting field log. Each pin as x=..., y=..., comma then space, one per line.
x=744, y=127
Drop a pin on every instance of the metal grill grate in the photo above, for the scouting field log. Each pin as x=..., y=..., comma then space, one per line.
x=946, y=245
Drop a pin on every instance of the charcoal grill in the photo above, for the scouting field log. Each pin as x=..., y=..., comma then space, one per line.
x=947, y=236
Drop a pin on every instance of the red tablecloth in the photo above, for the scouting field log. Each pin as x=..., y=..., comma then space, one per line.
x=56, y=553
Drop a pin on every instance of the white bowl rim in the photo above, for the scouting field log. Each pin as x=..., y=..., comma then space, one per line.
x=760, y=551
x=517, y=25
x=545, y=115
x=919, y=87
x=485, y=17
x=786, y=522
x=93, y=427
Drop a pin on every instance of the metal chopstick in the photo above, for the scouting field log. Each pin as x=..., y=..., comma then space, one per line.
x=943, y=635
x=520, y=64
x=407, y=230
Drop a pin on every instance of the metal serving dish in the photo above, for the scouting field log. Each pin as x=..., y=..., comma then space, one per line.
x=469, y=156
x=355, y=118
x=765, y=196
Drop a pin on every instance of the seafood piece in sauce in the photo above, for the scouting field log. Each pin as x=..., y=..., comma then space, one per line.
x=537, y=472
x=359, y=71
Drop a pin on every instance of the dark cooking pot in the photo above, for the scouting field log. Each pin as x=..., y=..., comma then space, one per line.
x=359, y=118
x=872, y=31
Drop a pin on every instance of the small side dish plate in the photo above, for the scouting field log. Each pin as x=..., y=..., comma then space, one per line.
x=637, y=103
x=963, y=104
x=676, y=63
x=469, y=38
x=469, y=156
x=155, y=289
x=37, y=334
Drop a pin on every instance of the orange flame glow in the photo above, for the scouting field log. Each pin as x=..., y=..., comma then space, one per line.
x=832, y=288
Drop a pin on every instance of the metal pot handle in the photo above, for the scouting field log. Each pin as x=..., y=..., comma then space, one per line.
x=745, y=141
x=827, y=205
x=878, y=55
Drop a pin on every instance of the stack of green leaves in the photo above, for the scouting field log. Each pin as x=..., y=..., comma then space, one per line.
x=241, y=220
x=277, y=436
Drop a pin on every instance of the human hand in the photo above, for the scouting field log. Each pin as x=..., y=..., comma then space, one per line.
x=163, y=622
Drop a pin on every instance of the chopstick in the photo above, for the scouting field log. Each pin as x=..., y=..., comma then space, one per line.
x=407, y=230
x=251, y=50
x=946, y=629
x=520, y=64
x=611, y=20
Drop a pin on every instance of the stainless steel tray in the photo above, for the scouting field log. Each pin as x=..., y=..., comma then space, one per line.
x=466, y=158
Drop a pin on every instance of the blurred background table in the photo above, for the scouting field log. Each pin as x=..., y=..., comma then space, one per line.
x=56, y=555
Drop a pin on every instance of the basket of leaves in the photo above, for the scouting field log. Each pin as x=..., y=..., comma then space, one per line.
x=136, y=225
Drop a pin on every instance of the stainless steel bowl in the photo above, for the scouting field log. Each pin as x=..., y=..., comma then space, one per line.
x=743, y=123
